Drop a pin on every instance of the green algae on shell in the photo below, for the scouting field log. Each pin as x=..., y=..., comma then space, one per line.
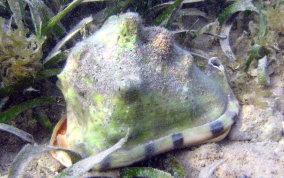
x=127, y=76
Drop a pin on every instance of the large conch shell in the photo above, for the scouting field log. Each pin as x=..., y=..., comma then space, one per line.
x=127, y=76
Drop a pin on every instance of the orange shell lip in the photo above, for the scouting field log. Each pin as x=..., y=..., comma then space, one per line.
x=59, y=131
x=58, y=139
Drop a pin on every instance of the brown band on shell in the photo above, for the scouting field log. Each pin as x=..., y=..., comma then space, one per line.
x=216, y=128
x=150, y=149
x=177, y=140
x=106, y=163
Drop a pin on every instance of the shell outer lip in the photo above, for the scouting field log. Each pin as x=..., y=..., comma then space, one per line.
x=60, y=130
x=64, y=158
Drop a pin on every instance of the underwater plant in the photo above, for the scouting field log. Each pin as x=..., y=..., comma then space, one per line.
x=275, y=18
x=20, y=54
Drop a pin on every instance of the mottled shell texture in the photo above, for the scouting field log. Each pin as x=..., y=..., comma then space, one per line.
x=128, y=76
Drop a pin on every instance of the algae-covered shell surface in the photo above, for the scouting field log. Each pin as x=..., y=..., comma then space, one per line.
x=128, y=77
